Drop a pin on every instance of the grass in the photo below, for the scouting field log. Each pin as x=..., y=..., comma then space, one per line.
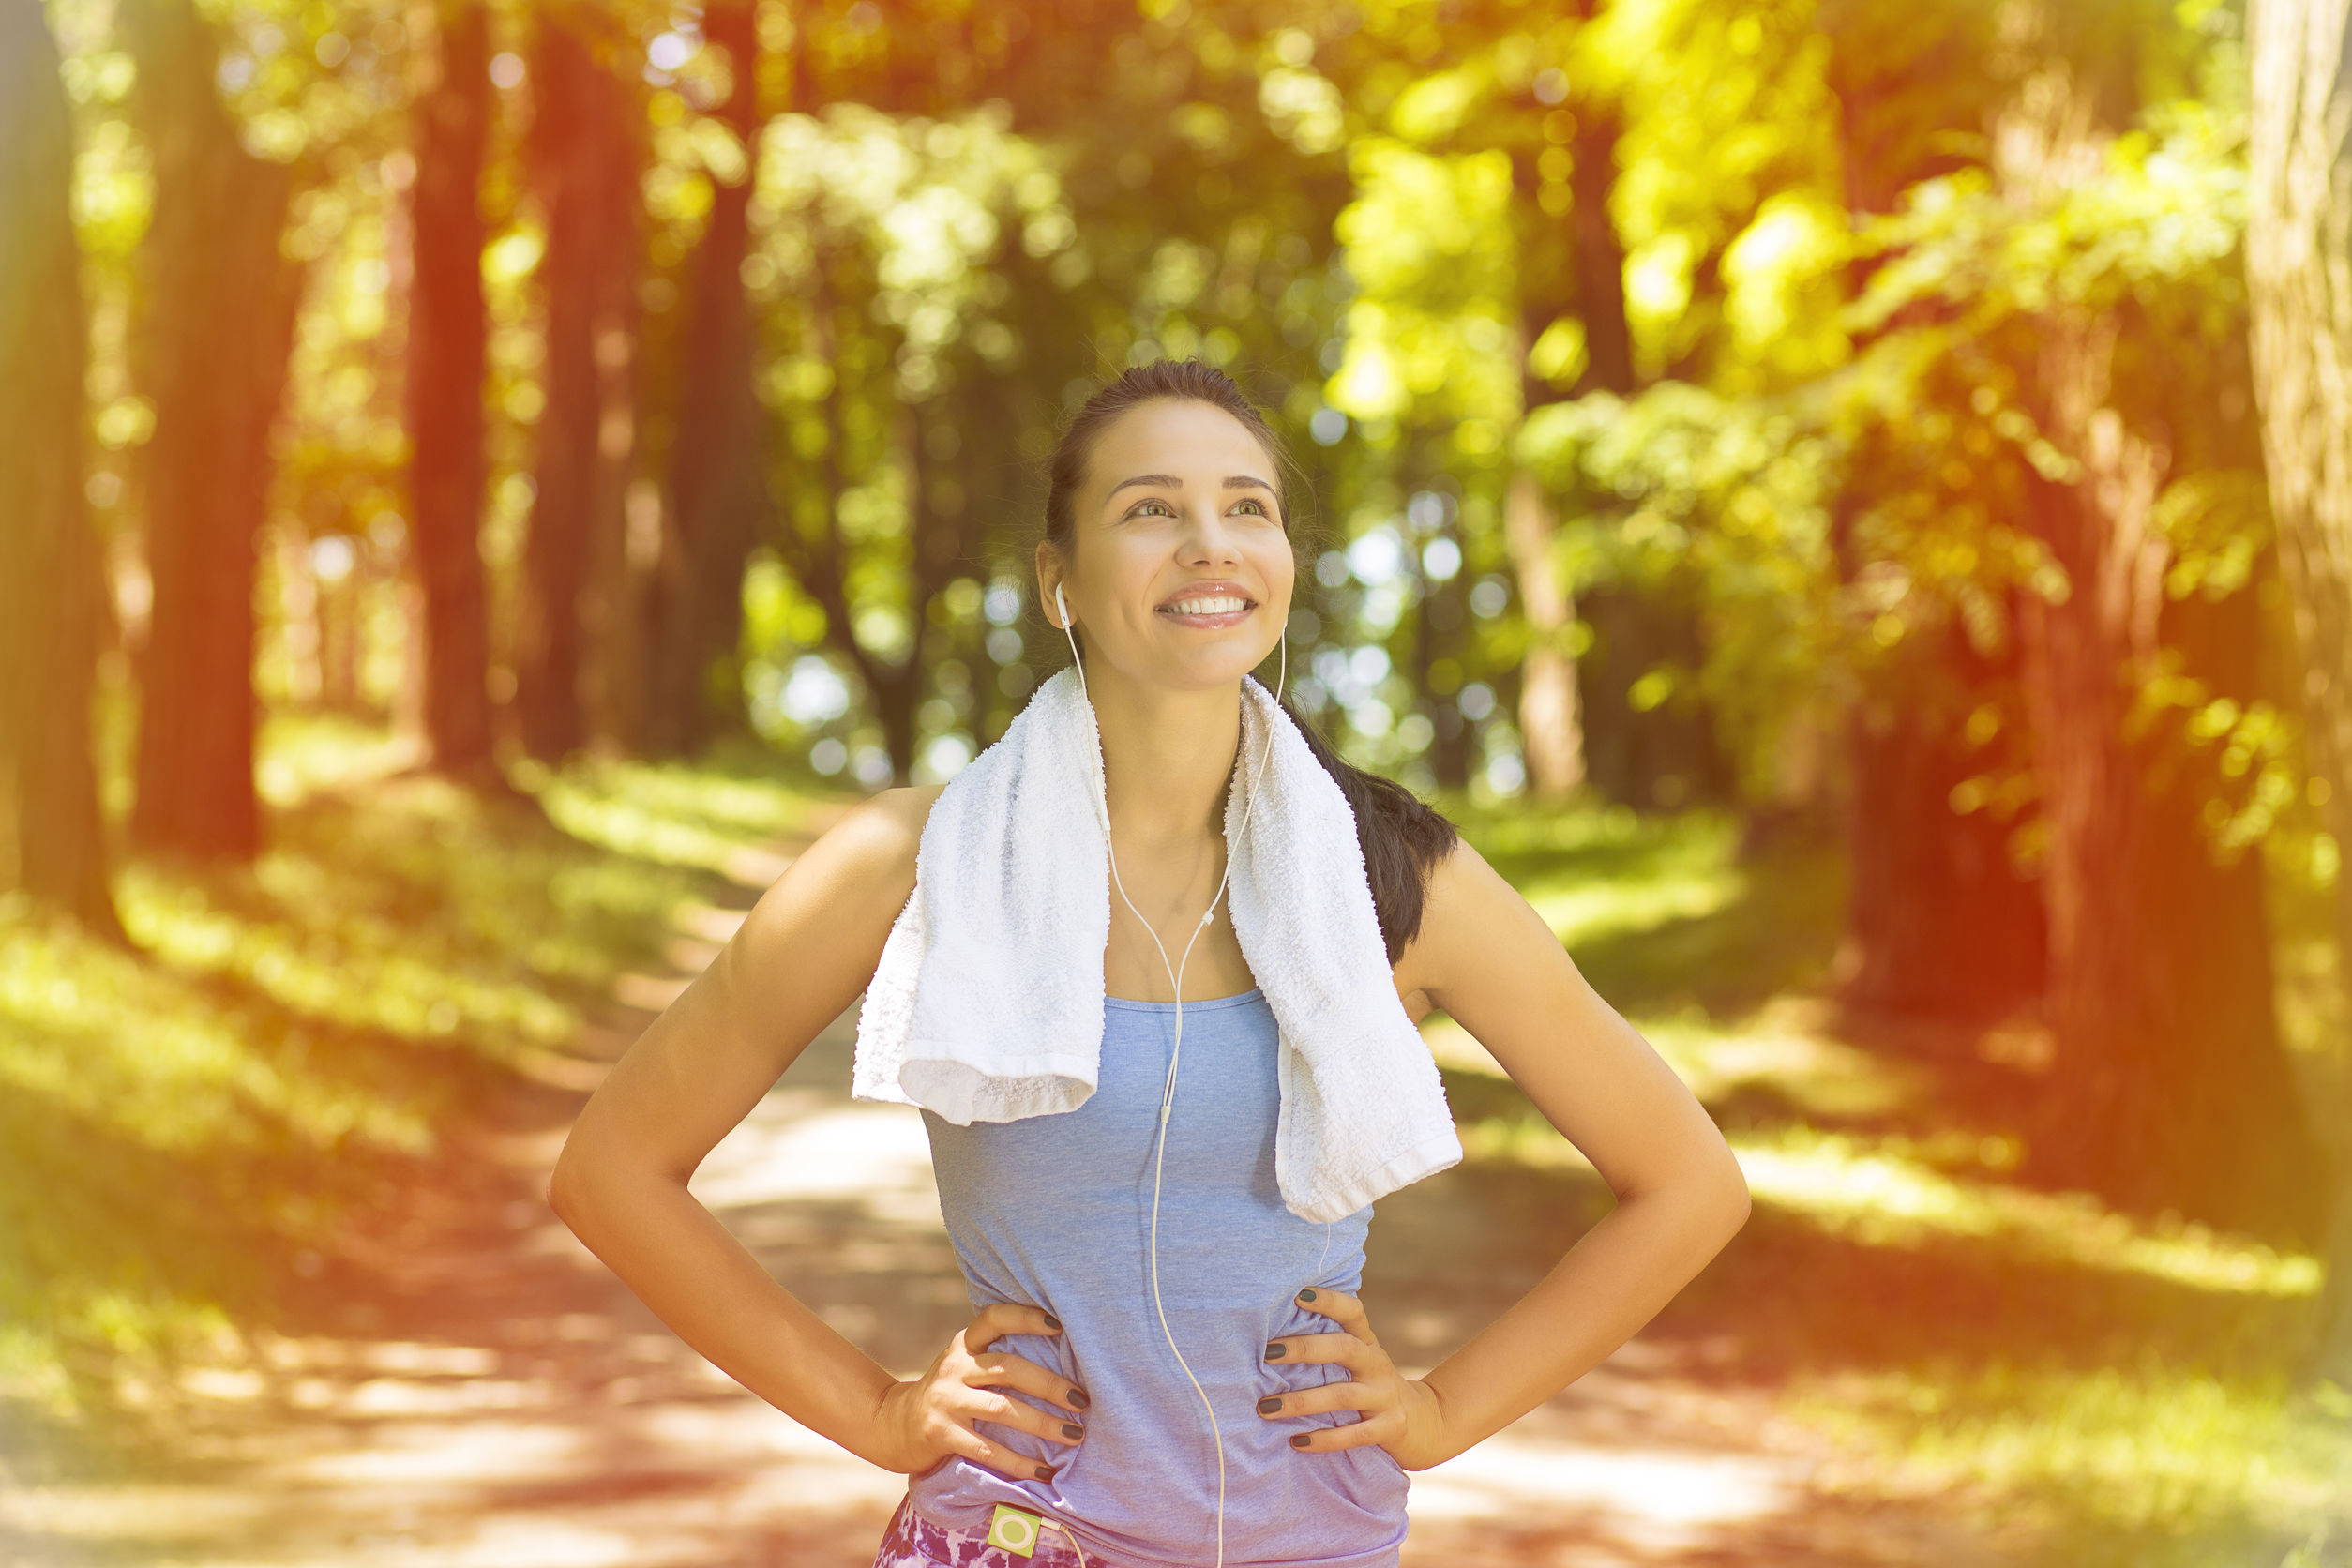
x=185, y=1133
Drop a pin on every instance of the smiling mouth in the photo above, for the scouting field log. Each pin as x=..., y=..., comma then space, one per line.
x=1210, y=618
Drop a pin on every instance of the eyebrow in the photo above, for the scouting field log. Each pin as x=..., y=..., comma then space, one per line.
x=1172, y=482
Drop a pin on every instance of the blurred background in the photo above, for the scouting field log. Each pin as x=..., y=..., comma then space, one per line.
x=1845, y=501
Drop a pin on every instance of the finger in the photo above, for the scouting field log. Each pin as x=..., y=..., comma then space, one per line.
x=1003, y=1369
x=995, y=1321
x=1007, y=1462
x=1364, y=1433
x=1006, y=1410
x=1336, y=1345
x=1344, y=1394
x=1342, y=1308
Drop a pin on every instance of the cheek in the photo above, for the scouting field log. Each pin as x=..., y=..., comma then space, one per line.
x=1279, y=570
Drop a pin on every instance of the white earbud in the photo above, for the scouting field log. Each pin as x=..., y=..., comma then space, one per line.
x=1175, y=977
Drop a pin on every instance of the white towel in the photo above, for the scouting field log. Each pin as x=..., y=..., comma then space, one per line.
x=988, y=1002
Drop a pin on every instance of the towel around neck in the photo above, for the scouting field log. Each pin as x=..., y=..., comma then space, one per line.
x=986, y=1005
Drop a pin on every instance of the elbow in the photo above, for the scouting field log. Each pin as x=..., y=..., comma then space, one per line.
x=1717, y=1198
x=585, y=1181
x=563, y=1197
x=1737, y=1203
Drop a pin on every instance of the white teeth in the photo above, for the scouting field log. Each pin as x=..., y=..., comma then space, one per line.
x=1205, y=607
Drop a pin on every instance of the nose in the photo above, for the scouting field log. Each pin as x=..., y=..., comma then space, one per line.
x=1210, y=537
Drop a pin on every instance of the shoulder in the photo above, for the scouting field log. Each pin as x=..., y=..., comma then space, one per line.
x=1470, y=914
x=908, y=805
x=812, y=940
x=880, y=834
x=864, y=855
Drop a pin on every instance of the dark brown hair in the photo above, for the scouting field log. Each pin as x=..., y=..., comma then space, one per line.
x=1402, y=838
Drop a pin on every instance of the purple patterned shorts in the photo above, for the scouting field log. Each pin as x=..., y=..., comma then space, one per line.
x=914, y=1542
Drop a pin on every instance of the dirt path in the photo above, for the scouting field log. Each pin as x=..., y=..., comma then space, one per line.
x=496, y=1398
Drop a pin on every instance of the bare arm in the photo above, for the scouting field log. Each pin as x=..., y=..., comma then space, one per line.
x=1491, y=963
x=803, y=955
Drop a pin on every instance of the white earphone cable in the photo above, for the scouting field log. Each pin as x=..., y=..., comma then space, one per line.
x=1175, y=975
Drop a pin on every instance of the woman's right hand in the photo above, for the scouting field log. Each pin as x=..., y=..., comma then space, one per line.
x=927, y=1418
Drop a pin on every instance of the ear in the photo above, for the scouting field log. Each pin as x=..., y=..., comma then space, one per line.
x=1050, y=586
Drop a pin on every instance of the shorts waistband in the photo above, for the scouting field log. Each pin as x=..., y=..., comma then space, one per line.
x=911, y=1533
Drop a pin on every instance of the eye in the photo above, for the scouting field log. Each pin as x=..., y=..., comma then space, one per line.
x=1249, y=501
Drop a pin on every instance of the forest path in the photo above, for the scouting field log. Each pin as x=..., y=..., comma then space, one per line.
x=488, y=1394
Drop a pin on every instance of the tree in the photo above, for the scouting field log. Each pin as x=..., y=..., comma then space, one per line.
x=447, y=350
x=51, y=592
x=584, y=158
x=718, y=501
x=2160, y=986
x=1938, y=920
x=2298, y=238
x=215, y=323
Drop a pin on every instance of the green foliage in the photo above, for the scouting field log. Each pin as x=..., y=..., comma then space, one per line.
x=189, y=1135
x=1726, y=499
x=1429, y=331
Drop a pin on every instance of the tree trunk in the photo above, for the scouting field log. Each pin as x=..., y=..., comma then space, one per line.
x=214, y=328
x=1552, y=715
x=719, y=505
x=446, y=350
x=344, y=597
x=2298, y=234
x=1433, y=667
x=1551, y=724
x=1938, y=922
x=575, y=146
x=52, y=604
x=614, y=613
x=2170, y=1088
x=1439, y=633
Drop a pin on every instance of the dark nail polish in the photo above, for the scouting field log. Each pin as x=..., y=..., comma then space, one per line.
x=1077, y=1398
x=1270, y=1404
x=1045, y=1472
x=1307, y=1294
x=1274, y=1350
x=1299, y=1441
x=1054, y=1320
x=1073, y=1430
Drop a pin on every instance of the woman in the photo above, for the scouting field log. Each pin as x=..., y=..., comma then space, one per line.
x=1164, y=487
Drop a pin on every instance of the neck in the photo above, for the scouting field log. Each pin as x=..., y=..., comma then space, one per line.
x=1168, y=756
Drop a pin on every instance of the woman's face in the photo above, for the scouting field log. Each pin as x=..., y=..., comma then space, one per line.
x=1178, y=494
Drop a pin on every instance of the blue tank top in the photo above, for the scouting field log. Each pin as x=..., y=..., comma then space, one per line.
x=1056, y=1211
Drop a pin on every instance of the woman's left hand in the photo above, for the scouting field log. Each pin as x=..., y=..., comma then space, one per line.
x=1401, y=1415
